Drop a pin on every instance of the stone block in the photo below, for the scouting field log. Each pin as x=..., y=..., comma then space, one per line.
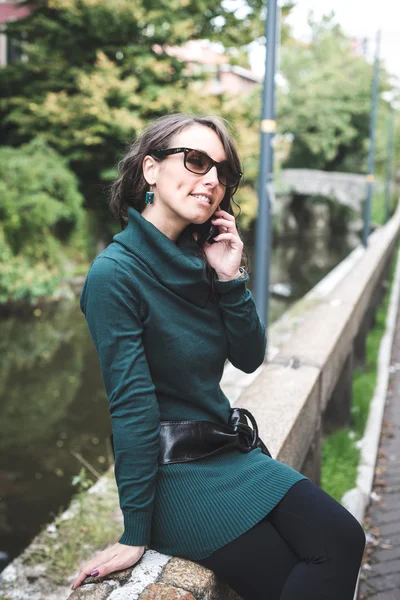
x=390, y=528
x=198, y=580
x=311, y=467
x=324, y=340
x=122, y=576
x=387, y=595
x=383, y=568
x=190, y=576
x=386, y=554
x=385, y=582
x=338, y=410
x=285, y=403
x=92, y=591
x=384, y=518
x=162, y=591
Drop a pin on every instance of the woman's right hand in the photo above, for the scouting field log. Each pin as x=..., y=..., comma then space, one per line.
x=114, y=558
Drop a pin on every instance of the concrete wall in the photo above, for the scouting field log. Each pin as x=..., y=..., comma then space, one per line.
x=309, y=373
x=303, y=390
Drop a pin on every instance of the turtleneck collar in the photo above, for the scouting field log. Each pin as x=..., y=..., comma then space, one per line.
x=175, y=265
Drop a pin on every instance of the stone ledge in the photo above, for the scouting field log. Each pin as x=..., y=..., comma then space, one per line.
x=178, y=579
x=287, y=433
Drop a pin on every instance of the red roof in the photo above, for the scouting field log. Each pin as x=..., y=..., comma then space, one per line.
x=11, y=11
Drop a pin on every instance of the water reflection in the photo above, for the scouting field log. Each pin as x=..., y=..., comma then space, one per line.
x=52, y=401
x=298, y=263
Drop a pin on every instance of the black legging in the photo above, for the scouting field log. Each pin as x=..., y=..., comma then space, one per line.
x=308, y=547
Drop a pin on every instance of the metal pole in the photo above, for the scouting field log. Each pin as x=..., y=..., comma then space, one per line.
x=371, y=153
x=389, y=167
x=265, y=181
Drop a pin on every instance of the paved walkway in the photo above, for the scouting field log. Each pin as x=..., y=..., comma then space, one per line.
x=380, y=575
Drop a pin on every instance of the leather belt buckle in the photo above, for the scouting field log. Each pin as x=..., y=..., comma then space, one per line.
x=247, y=437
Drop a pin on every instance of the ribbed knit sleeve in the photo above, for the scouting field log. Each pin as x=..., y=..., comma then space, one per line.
x=111, y=308
x=244, y=329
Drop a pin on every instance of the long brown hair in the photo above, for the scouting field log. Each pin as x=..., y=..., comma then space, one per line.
x=130, y=187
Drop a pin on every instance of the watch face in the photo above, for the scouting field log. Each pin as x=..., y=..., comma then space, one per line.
x=242, y=275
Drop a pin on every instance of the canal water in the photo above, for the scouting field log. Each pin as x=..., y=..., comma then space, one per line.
x=54, y=410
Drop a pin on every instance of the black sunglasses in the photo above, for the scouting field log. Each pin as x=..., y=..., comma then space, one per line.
x=200, y=163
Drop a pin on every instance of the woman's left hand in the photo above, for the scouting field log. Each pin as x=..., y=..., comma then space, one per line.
x=226, y=254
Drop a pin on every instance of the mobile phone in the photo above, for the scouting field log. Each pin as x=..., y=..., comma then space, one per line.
x=212, y=232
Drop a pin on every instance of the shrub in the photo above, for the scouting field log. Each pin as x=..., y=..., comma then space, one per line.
x=40, y=211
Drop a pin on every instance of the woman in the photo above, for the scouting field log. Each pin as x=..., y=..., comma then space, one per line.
x=165, y=309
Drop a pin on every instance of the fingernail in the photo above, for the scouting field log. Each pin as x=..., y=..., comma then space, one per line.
x=95, y=573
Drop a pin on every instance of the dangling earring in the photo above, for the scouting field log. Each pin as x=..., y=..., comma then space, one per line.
x=149, y=198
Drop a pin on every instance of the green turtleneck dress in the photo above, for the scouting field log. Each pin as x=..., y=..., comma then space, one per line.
x=162, y=345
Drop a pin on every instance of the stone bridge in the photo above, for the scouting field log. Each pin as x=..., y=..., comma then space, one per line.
x=348, y=189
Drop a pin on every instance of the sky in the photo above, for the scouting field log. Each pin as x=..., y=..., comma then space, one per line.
x=358, y=18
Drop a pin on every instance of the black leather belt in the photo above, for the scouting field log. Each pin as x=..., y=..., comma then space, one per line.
x=184, y=441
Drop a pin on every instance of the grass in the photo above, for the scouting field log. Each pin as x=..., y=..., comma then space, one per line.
x=340, y=454
x=378, y=206
x=89, y=530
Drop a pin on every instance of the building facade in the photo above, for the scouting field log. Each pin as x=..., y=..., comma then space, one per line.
x=9, y=11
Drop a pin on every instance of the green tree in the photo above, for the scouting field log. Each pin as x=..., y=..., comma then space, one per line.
x=97, y=71
x=325, y=101
x=40, y=213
